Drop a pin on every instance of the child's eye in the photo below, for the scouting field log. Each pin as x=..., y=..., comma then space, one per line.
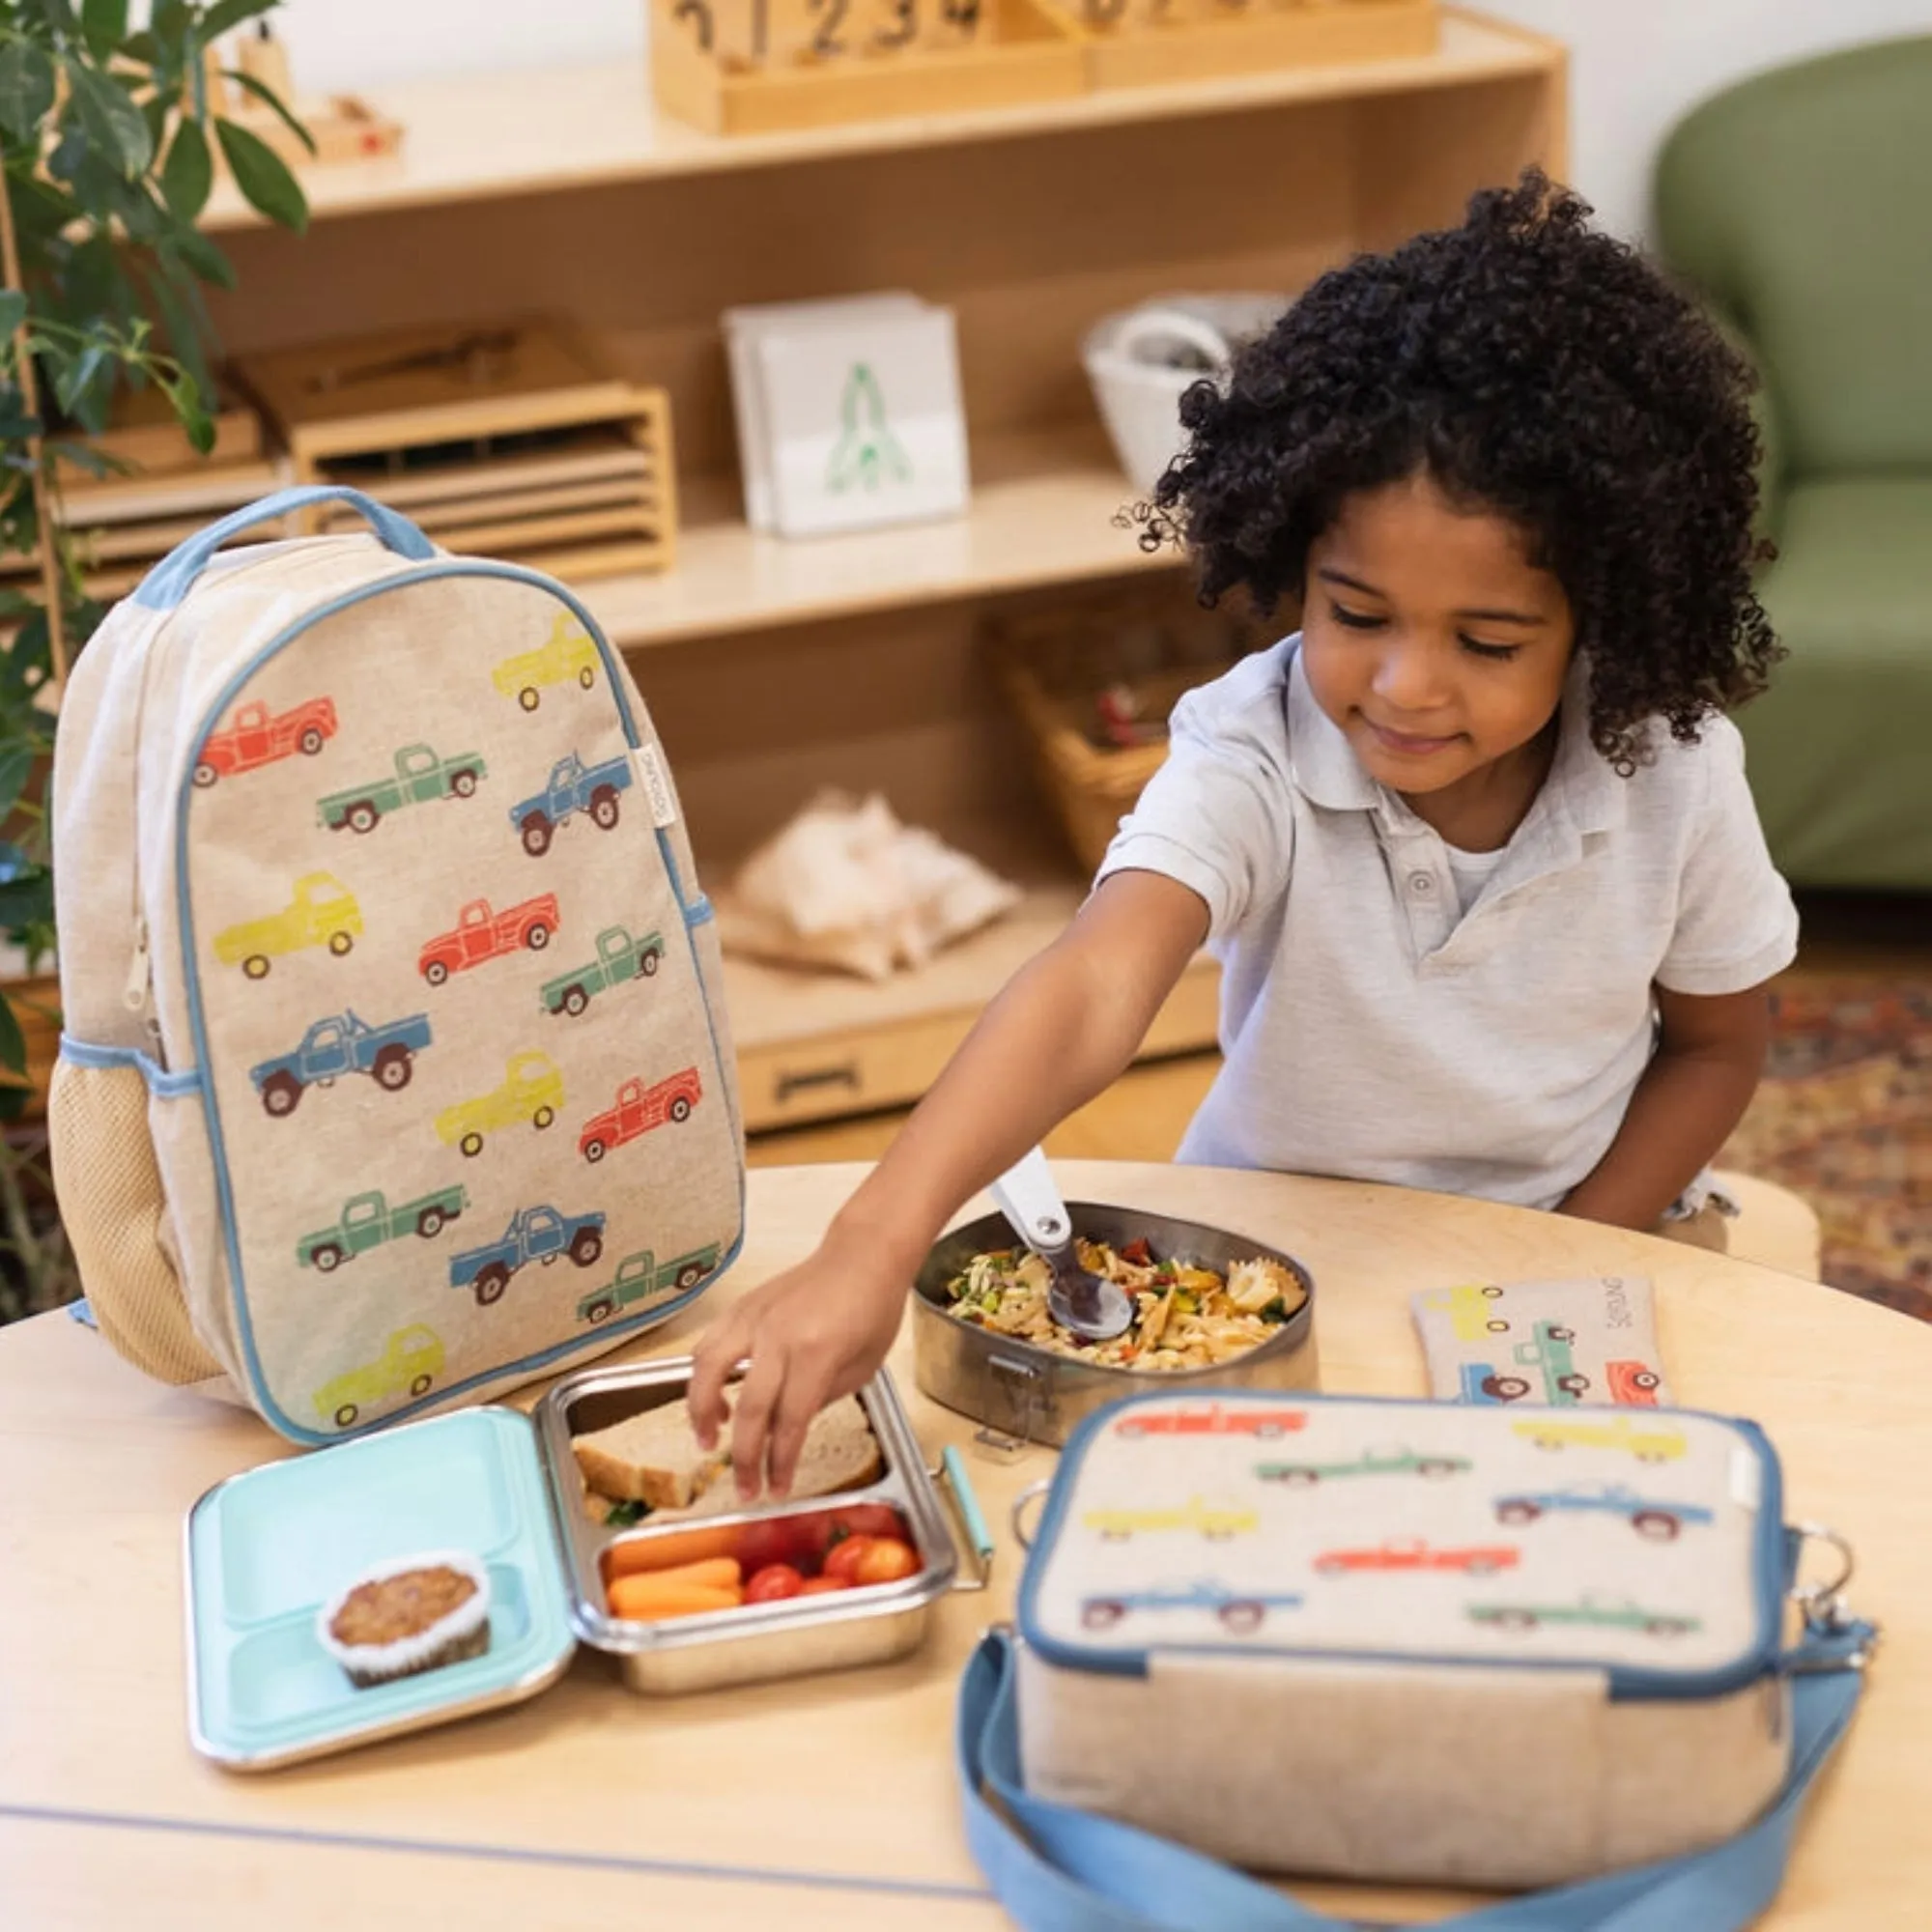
x=1501, y=653
x=1354, y=620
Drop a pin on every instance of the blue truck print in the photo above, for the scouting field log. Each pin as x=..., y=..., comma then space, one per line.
x=342, y=1043
x=574, y=786
x=1239, y=1611
x=534, y=1235
x=1654, y=1521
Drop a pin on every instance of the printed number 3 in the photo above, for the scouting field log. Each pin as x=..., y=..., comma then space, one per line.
x=906, y=16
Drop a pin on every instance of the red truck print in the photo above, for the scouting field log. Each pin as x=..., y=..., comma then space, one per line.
x=1633, y=1384
x=1213, y=1419
x=1408, y=1552
x=252, y=738
x=481, y=934
x=639, y=1109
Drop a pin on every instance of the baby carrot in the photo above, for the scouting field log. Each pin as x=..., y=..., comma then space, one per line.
x=670, y=1554
x=646, y=1598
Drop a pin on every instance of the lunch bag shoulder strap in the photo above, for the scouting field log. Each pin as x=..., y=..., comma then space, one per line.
x=1065, y=1870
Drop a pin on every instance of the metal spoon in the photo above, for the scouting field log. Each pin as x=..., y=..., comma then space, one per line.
x=1093, y=1308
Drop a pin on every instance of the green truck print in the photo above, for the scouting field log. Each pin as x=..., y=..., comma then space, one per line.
x=419, y=774
x=367, y=1221
x=619, y=958
x=640, y=1275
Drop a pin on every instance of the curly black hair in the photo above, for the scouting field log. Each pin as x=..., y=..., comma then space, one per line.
x=1536, y=368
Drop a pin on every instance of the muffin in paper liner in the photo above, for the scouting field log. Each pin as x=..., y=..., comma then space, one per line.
x=460, y=1633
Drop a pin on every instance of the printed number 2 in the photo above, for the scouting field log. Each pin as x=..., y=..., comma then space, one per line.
x=825, y=42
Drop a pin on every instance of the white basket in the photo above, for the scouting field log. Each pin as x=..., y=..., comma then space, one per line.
x=1137, y=382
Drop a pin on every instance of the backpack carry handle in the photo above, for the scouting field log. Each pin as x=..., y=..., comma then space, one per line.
x=174, y=576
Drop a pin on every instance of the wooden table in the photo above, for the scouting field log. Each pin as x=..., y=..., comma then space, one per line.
x=829, y=1803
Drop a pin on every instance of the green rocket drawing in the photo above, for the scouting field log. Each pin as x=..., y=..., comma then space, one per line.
x=866, y=451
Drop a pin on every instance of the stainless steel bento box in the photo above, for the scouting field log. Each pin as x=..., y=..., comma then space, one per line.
x=783, y=1638
x=1023, y=1393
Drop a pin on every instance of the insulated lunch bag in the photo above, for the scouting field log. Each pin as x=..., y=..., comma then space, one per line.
x=395, y=1064
x=1404, y=1641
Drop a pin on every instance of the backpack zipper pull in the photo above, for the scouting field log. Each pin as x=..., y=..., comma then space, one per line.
x=137, y=989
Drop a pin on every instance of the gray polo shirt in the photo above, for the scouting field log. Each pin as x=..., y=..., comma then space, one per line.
x=1375, y=1029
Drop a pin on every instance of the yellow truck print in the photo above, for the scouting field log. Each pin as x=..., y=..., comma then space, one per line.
x=532, y=1091
x=323, y=913
x=1216, y=1525
x=567, y=653
x=1648, y=1441
x=411, y=1361
x=1470, y=1308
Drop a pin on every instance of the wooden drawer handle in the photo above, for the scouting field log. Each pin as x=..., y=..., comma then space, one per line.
x=845, y=1074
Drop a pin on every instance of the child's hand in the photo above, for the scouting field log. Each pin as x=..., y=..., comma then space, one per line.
x=813, y=1334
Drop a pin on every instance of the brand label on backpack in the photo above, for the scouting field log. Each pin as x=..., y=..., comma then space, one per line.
x=657, y=787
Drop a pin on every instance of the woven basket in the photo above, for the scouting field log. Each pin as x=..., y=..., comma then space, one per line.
x=1053, y=668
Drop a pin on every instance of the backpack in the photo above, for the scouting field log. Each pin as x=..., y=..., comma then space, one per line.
x=395, y=1066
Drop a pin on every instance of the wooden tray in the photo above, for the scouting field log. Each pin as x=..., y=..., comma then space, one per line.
x=1022, y=51
x=1223, y=39
x=506, y=440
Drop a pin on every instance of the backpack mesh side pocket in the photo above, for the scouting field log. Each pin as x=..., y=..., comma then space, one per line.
x=116, y=1215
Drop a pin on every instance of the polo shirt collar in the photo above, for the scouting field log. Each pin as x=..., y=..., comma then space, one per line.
x=1582, y=788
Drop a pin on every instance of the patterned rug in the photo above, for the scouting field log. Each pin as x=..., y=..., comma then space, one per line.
x=1845, y=1119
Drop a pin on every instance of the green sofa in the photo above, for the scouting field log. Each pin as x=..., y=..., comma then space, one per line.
x=1800, y=205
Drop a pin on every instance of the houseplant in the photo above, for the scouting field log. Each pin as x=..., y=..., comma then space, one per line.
x=110, y=138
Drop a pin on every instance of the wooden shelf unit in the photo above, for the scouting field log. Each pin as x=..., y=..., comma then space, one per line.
x=479, y=138
x=775, y=668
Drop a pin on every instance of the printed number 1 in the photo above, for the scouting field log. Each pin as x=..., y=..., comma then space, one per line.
x=700, y=11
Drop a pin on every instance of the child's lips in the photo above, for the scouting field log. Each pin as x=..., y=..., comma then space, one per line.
x=1406, y=744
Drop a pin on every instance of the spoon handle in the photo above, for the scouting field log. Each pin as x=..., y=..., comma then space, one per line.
x=1029, y=1197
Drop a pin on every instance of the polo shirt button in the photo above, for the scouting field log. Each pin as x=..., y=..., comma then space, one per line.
x=1421, y=884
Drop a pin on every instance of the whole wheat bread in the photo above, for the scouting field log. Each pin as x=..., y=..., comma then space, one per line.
x=654, y=1459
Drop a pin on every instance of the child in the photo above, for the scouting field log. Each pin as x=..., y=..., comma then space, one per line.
x=1474, y=847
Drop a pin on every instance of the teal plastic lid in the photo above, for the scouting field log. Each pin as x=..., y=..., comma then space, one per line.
x=266, y=1551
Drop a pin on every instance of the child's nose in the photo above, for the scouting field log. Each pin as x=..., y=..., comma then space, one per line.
x=1407, y=678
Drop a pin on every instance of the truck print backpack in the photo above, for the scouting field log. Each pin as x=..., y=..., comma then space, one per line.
x=395, y=1066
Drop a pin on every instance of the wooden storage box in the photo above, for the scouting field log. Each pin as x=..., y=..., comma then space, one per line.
x=1218, y=38
x=499, y=439
x=1053, y=668
x=1022, y=51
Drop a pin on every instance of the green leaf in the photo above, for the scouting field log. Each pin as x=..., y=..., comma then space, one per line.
x=16, y=766
x=103, y=23
x=183, y=320
x=12, y=312
x=74, y=377
x=183, y=395
x=111, y=118
x=27, y=900
x=269, y=98
x=188, y=172
x=262, y=175
x=227, y=14
x=13, y=1043
x=59, y=15
x=143, y=47
x=203, y=257
x=154, y=112
x=26, y=88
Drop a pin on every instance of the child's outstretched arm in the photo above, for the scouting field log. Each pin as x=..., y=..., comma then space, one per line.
x=1709, y=1057
x=1060, y=1031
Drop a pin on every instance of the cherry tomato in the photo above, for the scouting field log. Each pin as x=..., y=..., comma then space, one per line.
x=773, y=1582
x=854, y=1519
x=885, y=1559
x=822, y=1586
x=842, y=1559
x=770, y=1539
